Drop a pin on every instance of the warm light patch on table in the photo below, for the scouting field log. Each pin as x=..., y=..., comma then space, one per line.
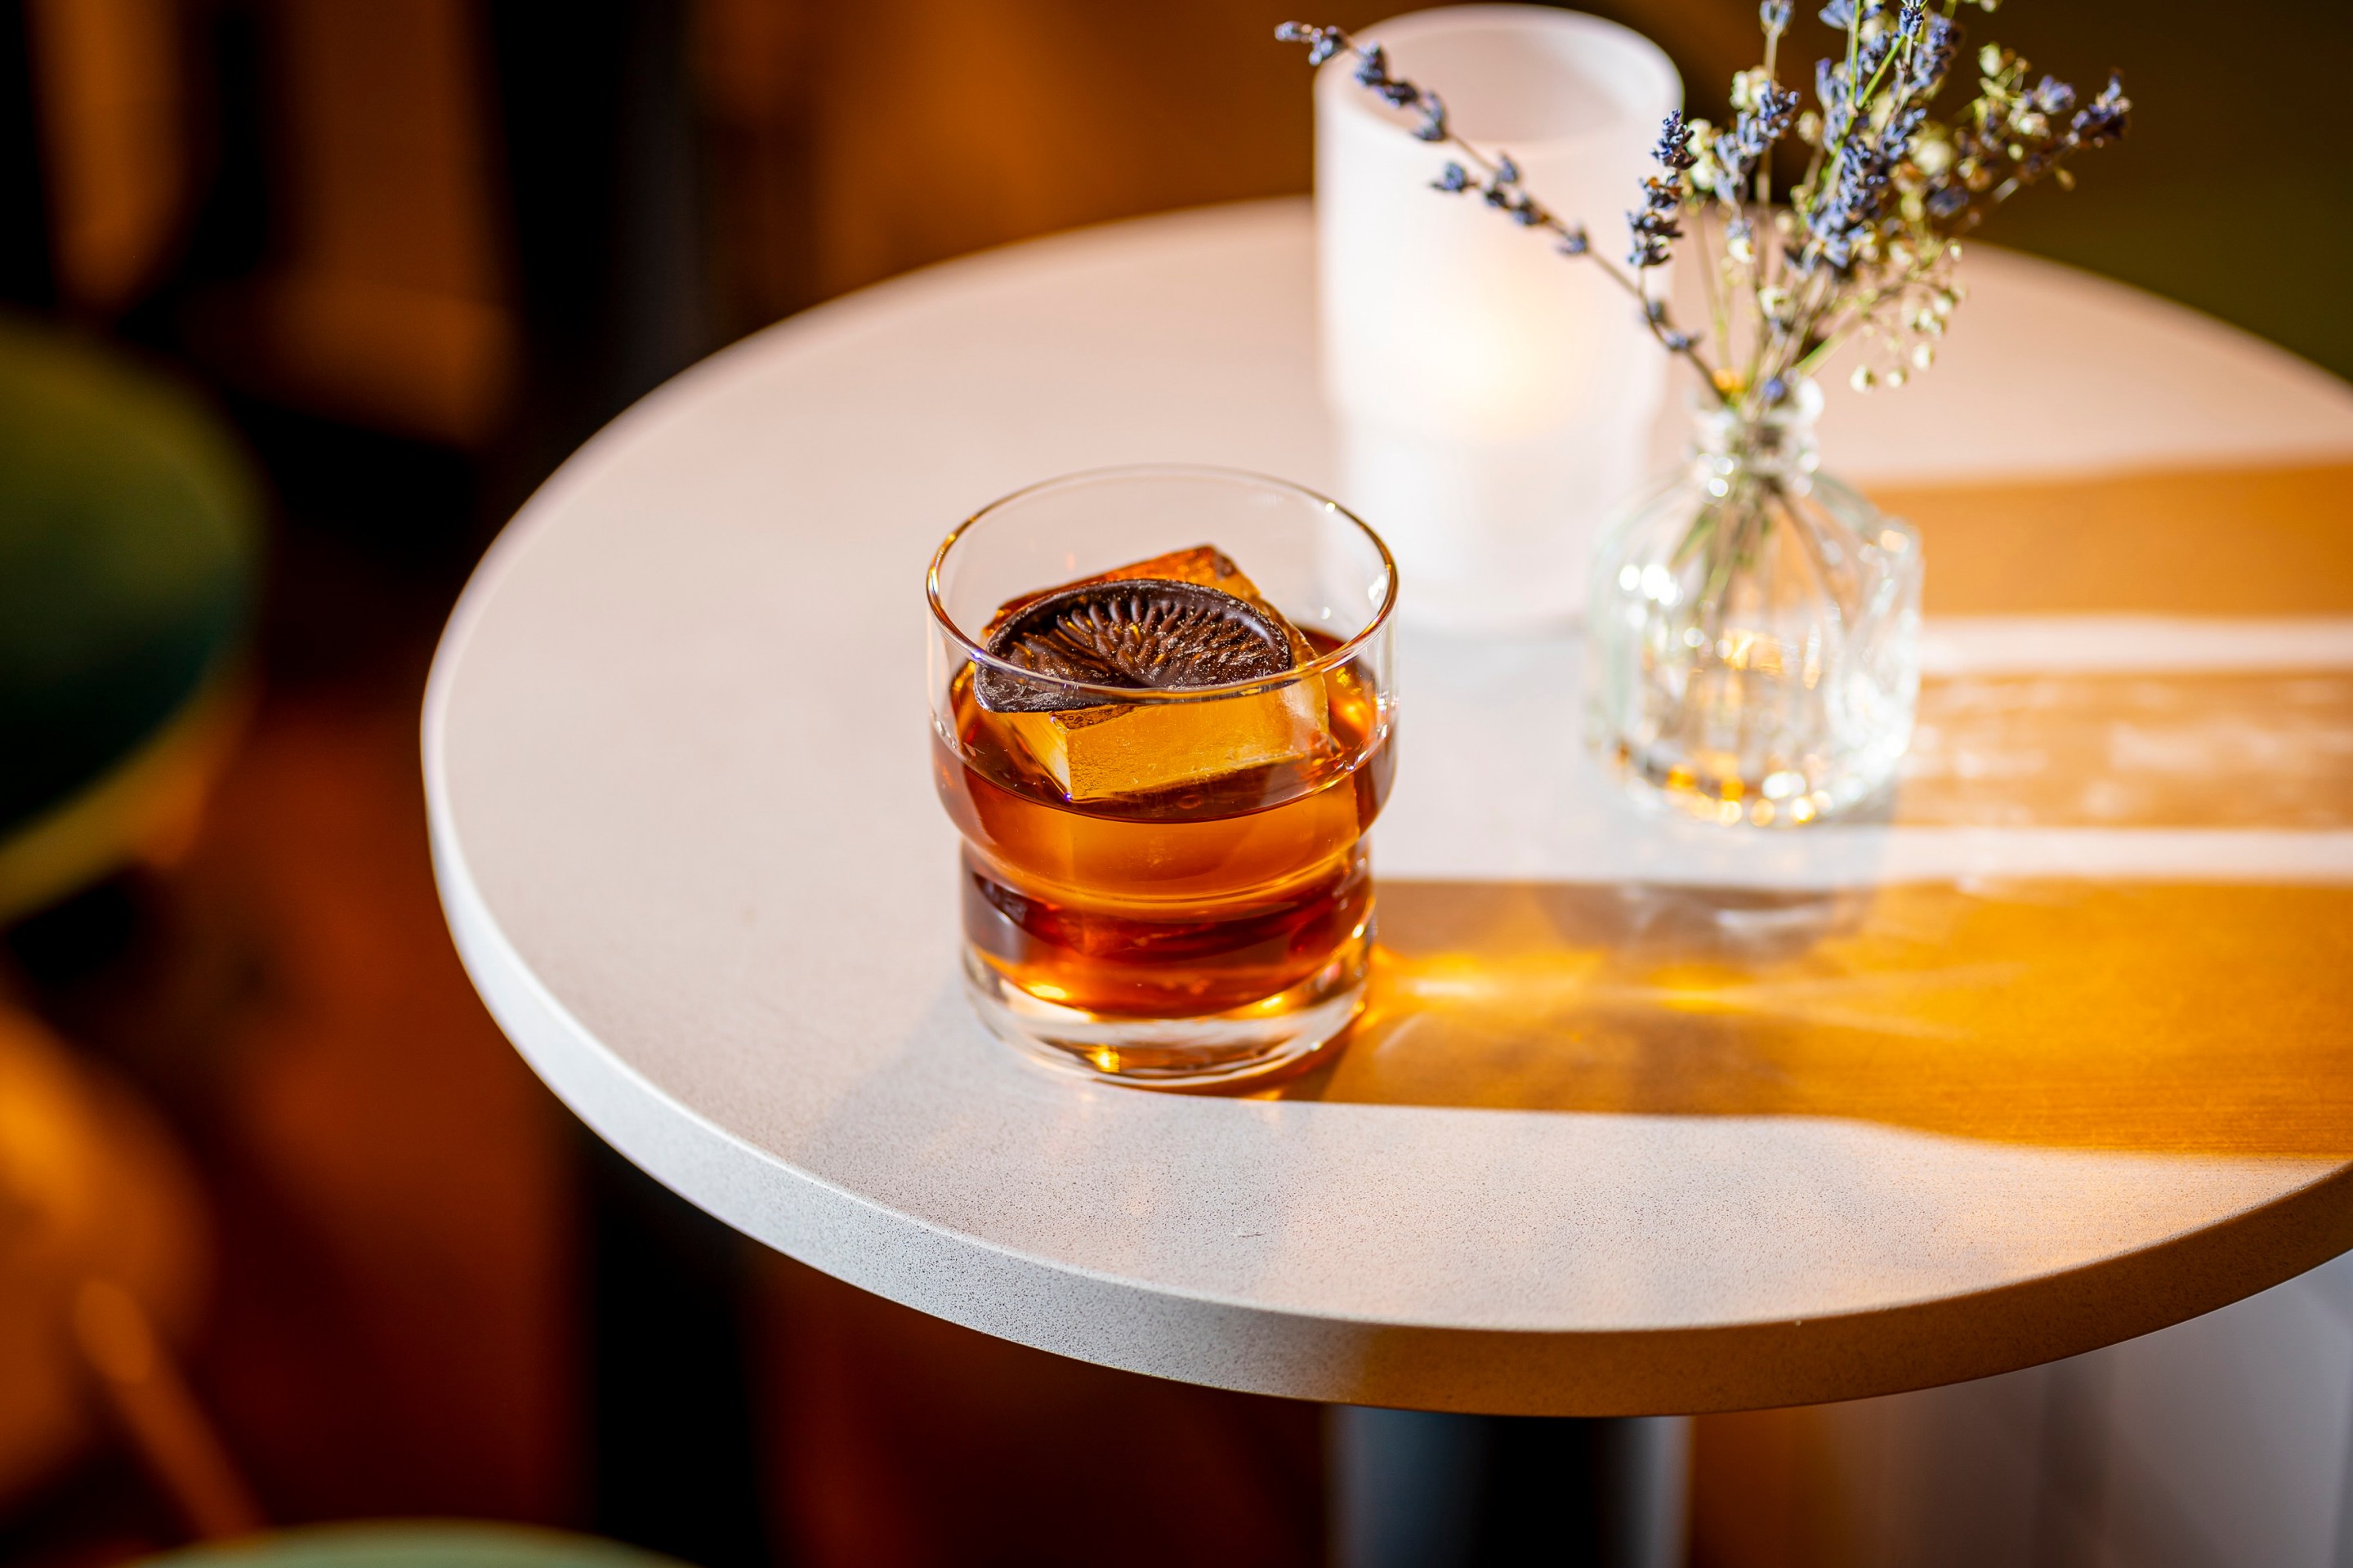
x=2244, y=542
x=2161, y=1017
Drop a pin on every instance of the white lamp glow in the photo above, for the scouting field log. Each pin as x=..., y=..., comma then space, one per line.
x=1494, y=399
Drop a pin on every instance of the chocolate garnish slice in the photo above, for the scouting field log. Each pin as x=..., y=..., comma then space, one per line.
x=1141, y=633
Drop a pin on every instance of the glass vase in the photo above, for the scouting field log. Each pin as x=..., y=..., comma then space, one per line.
x=1752, y=638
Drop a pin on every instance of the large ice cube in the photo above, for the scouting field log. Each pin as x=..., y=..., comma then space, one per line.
x=1134, y=748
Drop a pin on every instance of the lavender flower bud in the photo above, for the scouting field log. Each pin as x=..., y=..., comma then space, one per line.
x=1773, y=15
x=1932, y=59
x=2106, y=118
x=1673, y=149
x=1321, y=43
x=1841, y=217
x=1654, y=226
x=1872, y=54
x=2052, y=96
x=1454, y=179
x=1433, y=119
x=1830, y=91
x=1373, y=72
x=1773, y=109
x=1895, y=141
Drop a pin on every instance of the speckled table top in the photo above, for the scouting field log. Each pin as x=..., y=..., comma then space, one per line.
x=1645, y=1118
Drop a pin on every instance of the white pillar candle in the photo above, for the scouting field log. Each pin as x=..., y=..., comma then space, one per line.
x=1493, y=398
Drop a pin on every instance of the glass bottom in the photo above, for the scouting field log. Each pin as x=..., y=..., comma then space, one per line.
x=1277, y=1036
x=1783, y=799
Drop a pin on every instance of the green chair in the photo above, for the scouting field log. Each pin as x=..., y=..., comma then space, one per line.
x=413, y=1545
x=129, y=555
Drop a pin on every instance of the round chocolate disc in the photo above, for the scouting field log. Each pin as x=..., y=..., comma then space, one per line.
x=1142, y=633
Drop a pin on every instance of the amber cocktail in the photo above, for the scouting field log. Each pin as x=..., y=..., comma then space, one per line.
x=1161, y=721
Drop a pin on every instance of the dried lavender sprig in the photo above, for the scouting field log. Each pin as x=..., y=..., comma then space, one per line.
x=1932, y=58
x=1868, y=231
x=2014, y=126
x=1841, y=205
x=1773, y=18
x=1741, y=154
x=1499, y=186
x=1653, y=228
x=1848, y=186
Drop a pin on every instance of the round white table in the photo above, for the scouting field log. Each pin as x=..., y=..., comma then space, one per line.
x=676, y=753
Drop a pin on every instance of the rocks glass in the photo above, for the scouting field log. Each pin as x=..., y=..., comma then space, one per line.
x=1163, y=721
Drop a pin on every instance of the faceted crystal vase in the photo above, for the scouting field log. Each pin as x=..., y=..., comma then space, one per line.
x=1752, y=639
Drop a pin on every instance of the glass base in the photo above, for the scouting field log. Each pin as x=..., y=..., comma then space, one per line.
x=1782, y=800
x=1278, y=1036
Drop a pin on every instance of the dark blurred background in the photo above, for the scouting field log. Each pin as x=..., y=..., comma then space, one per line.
x=381, y=264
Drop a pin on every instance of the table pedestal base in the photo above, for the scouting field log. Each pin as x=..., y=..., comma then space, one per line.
x=1414, y=1488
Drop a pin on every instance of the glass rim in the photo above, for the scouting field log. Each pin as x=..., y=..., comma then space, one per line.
x=1321, y=664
